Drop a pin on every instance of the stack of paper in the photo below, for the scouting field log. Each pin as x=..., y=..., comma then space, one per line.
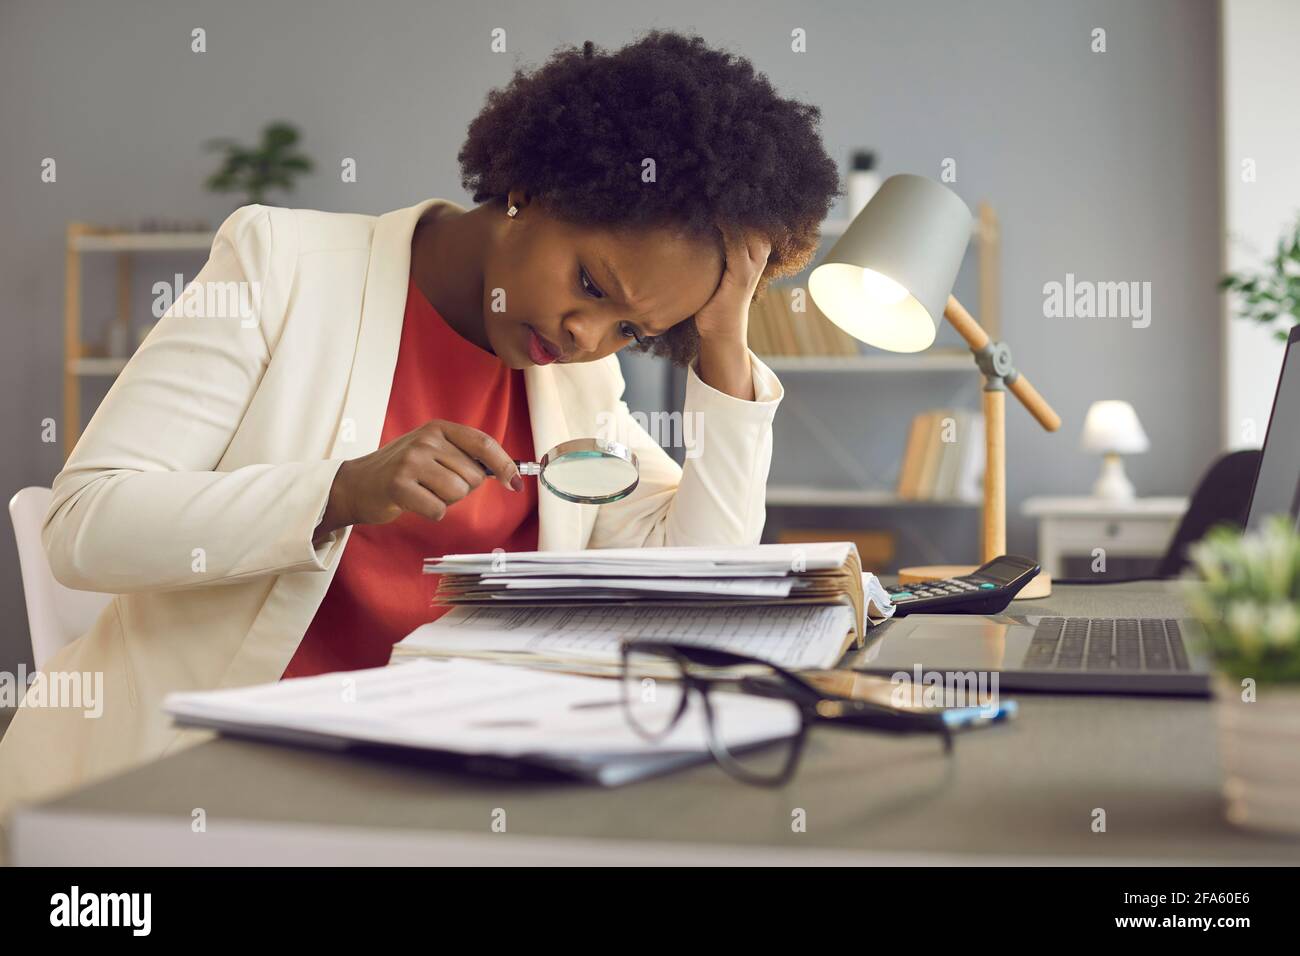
x=797, y=605
x=826, y=572
x=756, y=561
x=589, y=640
x=499, y=719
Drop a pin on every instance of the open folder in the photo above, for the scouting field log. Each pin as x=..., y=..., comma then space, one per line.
x=480, y=717
x=797, y=605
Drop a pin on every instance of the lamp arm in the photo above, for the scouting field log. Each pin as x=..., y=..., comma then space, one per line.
x=1034, y=402
x=998, y=359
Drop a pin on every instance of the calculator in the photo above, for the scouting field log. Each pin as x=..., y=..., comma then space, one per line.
x=986, y=590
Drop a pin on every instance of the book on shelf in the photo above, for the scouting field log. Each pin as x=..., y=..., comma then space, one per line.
x=909, y=471
x=777, y=328
x=943, y=459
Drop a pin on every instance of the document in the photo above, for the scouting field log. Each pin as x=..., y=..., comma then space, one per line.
x=559, y=722
x=525, y=587
x=762, y=560
x=792, y=636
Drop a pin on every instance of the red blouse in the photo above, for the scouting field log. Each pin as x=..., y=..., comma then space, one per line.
x=378, y=594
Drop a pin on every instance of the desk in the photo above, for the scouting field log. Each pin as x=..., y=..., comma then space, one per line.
x=1021, y=793
x=1075, y=526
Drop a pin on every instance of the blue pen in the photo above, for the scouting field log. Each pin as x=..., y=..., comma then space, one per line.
x=961, y=718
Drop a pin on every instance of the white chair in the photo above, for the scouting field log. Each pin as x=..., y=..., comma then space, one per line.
x=57, y=615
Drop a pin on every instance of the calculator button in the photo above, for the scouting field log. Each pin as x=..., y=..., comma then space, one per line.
x=987, y=587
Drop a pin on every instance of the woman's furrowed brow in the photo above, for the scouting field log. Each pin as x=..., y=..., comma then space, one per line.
x=614, y=281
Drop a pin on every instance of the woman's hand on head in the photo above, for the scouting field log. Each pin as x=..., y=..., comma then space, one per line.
x=726, y=315
x=425, y=471
x=723, y=323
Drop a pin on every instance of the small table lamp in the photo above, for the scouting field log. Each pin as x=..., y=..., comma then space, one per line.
x=886, y=282
x=1112, y=429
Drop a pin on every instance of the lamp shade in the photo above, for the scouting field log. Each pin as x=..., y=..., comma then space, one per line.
x=1112, y=427
x=887, y=280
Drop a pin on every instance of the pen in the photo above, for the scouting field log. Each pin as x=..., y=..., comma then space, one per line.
x=953, y=718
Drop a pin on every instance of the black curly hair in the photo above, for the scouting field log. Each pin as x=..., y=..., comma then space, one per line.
x=728, y=151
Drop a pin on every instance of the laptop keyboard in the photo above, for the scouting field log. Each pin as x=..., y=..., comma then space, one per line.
x=1107, y=643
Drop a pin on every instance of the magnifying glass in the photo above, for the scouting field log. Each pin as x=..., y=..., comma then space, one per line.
x=586, y=471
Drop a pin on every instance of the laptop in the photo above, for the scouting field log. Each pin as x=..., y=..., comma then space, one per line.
x=1101, y=654
x=1277, y=488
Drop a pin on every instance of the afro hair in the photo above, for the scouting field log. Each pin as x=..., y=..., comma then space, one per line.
x=729, y=153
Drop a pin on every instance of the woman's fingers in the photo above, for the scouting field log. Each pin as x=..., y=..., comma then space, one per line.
x=747, y=255
x=424, y=471
x=443, y=482
x=414, y=496
x=484, y=448
x=455, y=460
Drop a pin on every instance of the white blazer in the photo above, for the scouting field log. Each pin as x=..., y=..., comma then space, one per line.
x=195, y=490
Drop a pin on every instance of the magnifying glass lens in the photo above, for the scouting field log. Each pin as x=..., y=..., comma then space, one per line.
x=586, y=471
x=590, y=476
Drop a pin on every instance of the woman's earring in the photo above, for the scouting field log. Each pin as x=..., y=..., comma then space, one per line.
x=512, y=211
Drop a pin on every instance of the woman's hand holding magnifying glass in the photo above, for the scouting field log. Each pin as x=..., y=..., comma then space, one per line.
x=425, y=471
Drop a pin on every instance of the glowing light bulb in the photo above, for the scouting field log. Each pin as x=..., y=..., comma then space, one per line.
x=881, y=288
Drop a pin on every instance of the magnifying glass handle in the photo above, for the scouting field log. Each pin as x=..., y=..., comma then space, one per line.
x=525, y=467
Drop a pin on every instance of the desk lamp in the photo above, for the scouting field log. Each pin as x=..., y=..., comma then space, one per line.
x=886, y=282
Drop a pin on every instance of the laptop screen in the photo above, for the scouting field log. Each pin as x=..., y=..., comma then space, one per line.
x=1277, y=489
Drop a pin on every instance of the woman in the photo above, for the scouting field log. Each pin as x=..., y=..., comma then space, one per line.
x=637, y=199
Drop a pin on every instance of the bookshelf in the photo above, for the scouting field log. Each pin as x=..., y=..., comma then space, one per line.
x=84, y=238
x=769, y=335
x=90, y=241
x=816, y=496
x=943, y=361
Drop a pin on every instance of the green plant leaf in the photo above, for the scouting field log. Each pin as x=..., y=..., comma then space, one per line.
x=272, y=164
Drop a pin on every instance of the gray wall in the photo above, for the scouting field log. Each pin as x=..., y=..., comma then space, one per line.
x=1105, y=165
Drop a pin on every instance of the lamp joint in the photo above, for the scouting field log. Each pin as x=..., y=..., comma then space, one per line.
x=994, y=360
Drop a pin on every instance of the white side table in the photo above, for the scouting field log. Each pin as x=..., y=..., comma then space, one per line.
x=1077, y=526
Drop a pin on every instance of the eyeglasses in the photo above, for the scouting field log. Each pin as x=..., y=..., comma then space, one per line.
x=660, y=679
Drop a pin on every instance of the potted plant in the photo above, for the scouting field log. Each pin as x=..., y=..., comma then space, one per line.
x=1246, y=594
x=1272, y=297
x=255, y=170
